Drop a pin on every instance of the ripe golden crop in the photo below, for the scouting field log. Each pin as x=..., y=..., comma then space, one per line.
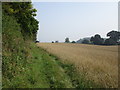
x=97, y=63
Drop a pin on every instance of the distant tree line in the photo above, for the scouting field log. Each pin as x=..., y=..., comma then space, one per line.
x=55, y=41
x=114, y=39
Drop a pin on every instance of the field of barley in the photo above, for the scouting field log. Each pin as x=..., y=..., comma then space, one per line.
x=96, y=63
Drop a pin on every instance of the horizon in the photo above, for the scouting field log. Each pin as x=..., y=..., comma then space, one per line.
x=75, y=20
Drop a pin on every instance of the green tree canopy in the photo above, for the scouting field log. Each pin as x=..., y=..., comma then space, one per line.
x=24, y=14
x=114, y=37
x=67, y=40
x=97, y=40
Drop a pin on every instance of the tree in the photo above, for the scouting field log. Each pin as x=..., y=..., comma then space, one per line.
x=85, y=41
x=92, y=39
x=67, y=40
x=24, y=14
x=56, y=41
x=97, y=40
x=52, y=41
x=109, y=41
x=73, y=42
x=36, y=41
x=114, y=37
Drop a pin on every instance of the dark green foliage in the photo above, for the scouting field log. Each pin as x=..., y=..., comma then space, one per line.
x=52, y=41
x=73, y=42
x=67, y=40
x=114, y=37
x=14, y=52
x=109, y=41
x=85, y=41
x=97, y=40
x=24, y=15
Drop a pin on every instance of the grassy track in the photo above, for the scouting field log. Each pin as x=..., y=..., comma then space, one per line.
x=44, y=70
x=47, y=71
x=41, y=71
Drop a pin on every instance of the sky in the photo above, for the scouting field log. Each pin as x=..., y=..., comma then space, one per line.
x=58, y=20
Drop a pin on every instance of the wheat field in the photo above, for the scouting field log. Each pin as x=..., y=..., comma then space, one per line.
x=97, y=63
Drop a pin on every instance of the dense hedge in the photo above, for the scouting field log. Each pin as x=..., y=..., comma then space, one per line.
x=24, y=13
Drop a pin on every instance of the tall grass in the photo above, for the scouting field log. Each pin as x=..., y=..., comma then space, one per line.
x=96, y=63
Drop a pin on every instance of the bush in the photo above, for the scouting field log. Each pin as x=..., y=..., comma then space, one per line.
x=73, y=42
x=85, y=41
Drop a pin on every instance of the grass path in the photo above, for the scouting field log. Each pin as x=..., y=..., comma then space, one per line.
x=55, y=73
x=47, y=71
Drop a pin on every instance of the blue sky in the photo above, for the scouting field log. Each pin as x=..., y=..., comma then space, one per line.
x=58, y=20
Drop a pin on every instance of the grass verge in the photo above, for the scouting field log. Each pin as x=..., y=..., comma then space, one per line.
x=40, y=71
x=44, y=70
